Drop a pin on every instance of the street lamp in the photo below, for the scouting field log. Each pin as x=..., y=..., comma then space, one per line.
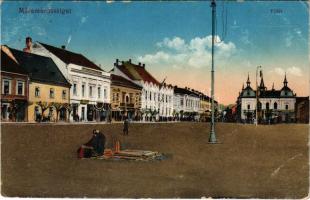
x=212, y=137
x=256, y=121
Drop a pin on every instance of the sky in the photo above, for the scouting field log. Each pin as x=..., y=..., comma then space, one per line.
x=174, y=40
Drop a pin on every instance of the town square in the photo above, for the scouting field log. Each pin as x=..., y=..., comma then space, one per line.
x=176, y=99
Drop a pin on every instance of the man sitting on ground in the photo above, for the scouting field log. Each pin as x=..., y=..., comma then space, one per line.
x=93, y=148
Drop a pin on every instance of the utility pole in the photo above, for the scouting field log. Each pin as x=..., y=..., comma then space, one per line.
x=256, y=111
x=212, y=138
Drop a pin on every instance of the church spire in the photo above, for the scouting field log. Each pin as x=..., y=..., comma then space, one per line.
x=248, y=82
x=285, y=81
x=262, y=84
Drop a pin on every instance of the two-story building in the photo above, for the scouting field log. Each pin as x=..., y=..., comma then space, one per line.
x=125, y=98
x=14, y=88
x=156, y=97
x=48, y=88
x=90, y=91
x=186, y=103
x=272, y=105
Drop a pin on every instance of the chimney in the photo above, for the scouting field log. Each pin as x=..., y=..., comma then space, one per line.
x=63, y=46
x=143, y=65
x=123, y=62
x=129, y=60
x=116, y=62
x=139, y=64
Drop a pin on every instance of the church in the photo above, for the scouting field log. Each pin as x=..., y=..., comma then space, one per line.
x=274, y=106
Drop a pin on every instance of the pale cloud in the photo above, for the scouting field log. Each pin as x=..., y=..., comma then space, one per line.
x=176, y=43
x=279, y=71
x=154, y=58
x=196, y=53
x=294, y=71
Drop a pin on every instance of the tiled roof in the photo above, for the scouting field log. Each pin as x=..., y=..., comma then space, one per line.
x=269, y=94
x=121, y=81
x=9, y=65
x=136, y=72
x=40, y=68
x=71, y=57
x=178, y=90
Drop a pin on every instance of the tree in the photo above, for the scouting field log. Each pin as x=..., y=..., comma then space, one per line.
x=44, y=106
x=153, y=113
x=58, y=107
x=69, y=109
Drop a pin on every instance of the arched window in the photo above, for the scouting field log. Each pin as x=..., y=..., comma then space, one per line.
x=286, y=107
x=249, y=106
x=275, y=106
x=267, y=106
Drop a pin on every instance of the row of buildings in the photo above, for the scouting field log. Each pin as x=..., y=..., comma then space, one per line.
x=47, y=83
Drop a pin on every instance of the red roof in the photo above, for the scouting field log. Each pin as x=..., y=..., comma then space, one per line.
x=137, y=72
x=121, y=81
x=71, y=57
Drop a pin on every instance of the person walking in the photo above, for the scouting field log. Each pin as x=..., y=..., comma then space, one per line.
x=126, y=124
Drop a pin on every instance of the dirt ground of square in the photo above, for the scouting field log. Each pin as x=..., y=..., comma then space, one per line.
x=250, y=162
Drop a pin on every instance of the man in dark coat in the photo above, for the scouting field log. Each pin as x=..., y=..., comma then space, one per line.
x=125, y=129
x=98, y=142
x=94, y=147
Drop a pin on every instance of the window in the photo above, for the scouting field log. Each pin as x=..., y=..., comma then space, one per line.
x=99, y=92
x=150, y=95
x=90, y=91
x=52, y=93
x=105, y=93
x=20, y=88
x=249, y=106
x=182, y=102
x=267, y=106
x=6, y=88
x=37, y=92
x=145, y=95
x=286, y=107
x=117, y=97
x=74, y=89
x=64, y=94
x=83, y=90
x=275, y=106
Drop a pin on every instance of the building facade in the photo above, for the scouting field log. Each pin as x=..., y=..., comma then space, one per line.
x=48, y=88
x=14, y=88
x=186, y=104
x=273, y=106
x=302, y=110
x=90, y=85
x=156, y=98
x=125, y=99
